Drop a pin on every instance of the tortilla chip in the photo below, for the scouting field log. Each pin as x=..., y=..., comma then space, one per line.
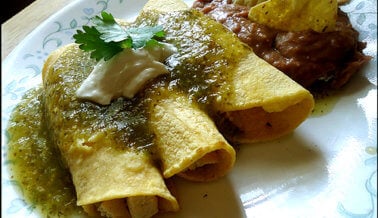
x=296, y=15
x=249, y=3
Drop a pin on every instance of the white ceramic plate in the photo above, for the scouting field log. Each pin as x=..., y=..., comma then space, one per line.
x=325, y=168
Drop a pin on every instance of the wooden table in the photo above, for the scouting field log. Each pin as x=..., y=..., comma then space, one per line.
x=14, y=30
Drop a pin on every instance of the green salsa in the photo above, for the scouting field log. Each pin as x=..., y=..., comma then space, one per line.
x=205, y=55
x=34, y=161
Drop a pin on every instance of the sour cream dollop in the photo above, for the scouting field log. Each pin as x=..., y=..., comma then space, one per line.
x=125, y=74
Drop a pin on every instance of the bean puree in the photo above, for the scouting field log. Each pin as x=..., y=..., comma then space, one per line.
x=314, y=60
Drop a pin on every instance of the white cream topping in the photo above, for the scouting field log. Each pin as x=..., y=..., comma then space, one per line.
x=125, y=73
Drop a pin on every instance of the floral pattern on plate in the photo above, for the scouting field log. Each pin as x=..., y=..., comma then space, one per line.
x=357, y=198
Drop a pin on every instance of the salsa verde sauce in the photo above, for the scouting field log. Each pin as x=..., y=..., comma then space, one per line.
x=34, y=161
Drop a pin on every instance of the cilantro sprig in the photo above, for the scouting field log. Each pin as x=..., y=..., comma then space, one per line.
x=107, y=38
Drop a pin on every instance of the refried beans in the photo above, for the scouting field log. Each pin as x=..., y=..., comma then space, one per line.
x=314, y=60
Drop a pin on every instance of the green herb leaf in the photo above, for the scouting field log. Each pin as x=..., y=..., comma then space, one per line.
x=110, y=30
x=143, y=35
x=89, y=40
x=107, y=38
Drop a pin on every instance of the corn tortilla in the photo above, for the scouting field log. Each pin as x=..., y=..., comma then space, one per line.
x=188, y=141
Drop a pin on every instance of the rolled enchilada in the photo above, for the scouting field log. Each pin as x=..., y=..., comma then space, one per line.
x=187, y=140
x=111, y=172
x=261, y=103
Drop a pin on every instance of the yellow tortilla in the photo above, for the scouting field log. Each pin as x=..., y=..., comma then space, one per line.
x=263, y=104
x=165, y=5
x=187, y=140
x=109, y=176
